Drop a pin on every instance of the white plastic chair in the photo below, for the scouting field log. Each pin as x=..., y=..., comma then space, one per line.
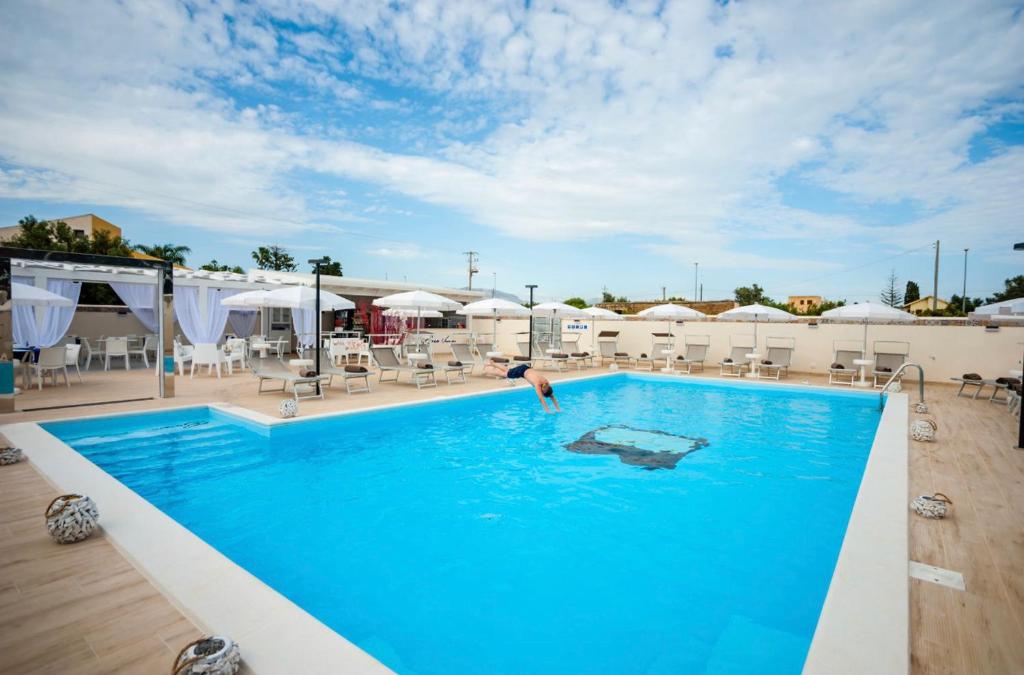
x=72, y=352
x=51, y=360
x=147, y=345
x=210, y=355
x=87, y=350
x=182, y=355
x=235, y=353
x=24, y=366
x=117, y=348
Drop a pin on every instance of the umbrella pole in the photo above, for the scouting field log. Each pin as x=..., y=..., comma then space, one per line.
x=494, y=330
x=864, y=349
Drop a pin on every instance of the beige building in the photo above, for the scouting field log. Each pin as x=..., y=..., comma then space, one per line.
x=923, y=304
x=802, y=303
x=83, y=225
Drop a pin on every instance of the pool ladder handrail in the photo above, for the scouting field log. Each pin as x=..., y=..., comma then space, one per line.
x=899, y=371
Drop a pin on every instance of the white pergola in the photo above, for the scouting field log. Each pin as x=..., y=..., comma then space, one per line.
x=40, y=271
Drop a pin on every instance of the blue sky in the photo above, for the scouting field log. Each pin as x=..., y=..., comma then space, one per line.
x=809, y=147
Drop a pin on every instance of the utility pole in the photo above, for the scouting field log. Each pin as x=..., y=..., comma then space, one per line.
x=702, y=292
x=935, y=287
x=663, y=294
x=472, y=257
x=696, y=266
x=963, y=304
x=494, y=283
x=529, y=350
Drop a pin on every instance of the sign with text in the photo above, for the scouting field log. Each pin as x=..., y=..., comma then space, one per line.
x=576, y=326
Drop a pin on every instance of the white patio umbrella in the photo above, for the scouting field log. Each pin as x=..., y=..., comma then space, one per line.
x=23, y=294
x=756, y=313
x=303, y=297
x=418, y=301
x=595, y=313
x=868, y=312
x=409, y=313
x=554, y=310
x=671, y=313
x=1009, y=309
x=492, y=307
x=245, y=299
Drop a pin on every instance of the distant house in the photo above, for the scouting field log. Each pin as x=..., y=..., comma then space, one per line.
x=802, y=303
x=83, y=225
x=923, y=304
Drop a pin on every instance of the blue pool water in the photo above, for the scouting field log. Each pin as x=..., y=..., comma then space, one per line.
x=463, y=537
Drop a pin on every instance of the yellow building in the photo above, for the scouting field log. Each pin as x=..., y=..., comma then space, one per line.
x=923, y=304
x=802, y=303
x=83, y=225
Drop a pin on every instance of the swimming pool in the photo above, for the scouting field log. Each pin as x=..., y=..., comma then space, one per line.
x=476, y=535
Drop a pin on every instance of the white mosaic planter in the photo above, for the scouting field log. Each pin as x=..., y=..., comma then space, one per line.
x=288, y=408
x=71, y=518
x=214, y=655
x=932, y=506
x=10, y=455
x=923, y=430
x=921, y=408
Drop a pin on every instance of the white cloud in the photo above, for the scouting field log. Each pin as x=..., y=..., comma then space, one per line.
x=603, y=119
x=398, y=252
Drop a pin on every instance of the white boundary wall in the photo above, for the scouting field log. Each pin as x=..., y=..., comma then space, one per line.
x=943, y=351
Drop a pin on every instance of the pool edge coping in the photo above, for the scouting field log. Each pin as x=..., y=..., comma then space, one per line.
x=835, y=648
x=864, y=625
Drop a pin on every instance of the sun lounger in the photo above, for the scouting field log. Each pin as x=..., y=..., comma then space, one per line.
x=736, y=363
x=842, y=370
x=386, y=360
x=275, y=370
x=348, y=374
x=463, y=353
x=978, y=383
x=885, y=365
x=693, y=356
x=775, y=363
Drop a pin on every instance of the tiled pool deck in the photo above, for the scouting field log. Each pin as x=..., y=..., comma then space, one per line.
x=84, y=608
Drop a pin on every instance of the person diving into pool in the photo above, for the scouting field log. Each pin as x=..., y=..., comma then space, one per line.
x=540, y=384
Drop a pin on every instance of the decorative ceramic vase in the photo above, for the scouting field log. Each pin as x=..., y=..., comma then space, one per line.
x=932, y=506
x=288, y=408
x=214, y=655
x=10, y=455
x=71, y=518
x=921, y=408
x=923, y=430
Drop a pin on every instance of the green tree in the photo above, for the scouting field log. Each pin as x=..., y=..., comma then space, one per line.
x=750, y=295
x=331, y=267
x=912, y=293
x=274, y=258
x=958, y=306
x=606, y=296
x=214, y=266
x=824, y=307
x=1013, y=288
x=169, y=252
x=890, y=294
x=578, y=303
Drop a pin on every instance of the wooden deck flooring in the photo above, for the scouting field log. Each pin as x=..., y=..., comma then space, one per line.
x=85, y=609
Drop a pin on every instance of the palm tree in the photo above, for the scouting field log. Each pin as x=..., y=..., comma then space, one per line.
x=169, y=252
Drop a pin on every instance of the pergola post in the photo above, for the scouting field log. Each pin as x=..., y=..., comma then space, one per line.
x=165, y=332
x=6, y=338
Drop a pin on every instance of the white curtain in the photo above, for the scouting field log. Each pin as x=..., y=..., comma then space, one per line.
x=26, y=333
x=197, y=329
x=243, y=322
x=305, y=327
x=139, y=298
x=57, y=320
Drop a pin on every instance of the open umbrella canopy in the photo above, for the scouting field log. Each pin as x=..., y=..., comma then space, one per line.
x=755, y=312
x=555, y=309
x=404, y=313
x=302, y=297
x=601, y=313
x=245, y=300
x=1007, y=308
x=869, y=312
x=23, y=294
x=670, y=312
x=418, y=300
x=493, y=307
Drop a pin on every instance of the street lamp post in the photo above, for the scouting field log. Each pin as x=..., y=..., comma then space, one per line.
x=1020, y=427
x=696, y=267
x=316, y=263
x=963, y=301
x=529, y=349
